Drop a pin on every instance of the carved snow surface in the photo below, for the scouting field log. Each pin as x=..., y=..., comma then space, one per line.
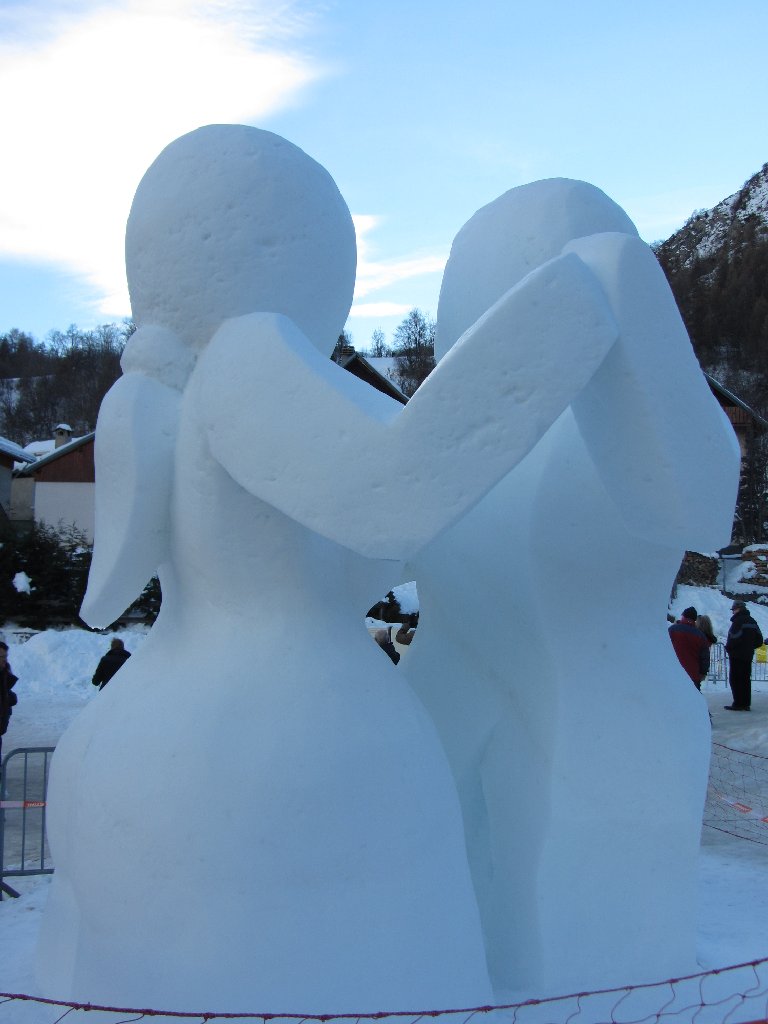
x=579, y=751
x=338, y=834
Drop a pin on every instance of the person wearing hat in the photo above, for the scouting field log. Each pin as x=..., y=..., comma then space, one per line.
x=7, y=696
x=691, y=646
x=114, y=659
x=744, y=637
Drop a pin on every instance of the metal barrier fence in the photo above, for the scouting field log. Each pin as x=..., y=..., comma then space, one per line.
x=718, y=664
x=23, y=795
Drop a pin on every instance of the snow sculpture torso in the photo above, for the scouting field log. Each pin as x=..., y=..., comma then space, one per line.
x=257, y=813
x=579, y=749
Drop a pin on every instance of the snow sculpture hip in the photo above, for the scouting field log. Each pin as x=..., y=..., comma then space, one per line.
x=257, y=814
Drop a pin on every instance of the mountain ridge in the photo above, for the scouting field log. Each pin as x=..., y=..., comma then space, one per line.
x=717, y=268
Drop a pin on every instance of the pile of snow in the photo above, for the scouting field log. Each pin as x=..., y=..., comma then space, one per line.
x=22, y=583
x=57, y=662
x=407, y=597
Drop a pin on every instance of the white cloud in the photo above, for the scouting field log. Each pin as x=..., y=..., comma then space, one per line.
x=373, y=275
x=376, y=310
x=99, y=95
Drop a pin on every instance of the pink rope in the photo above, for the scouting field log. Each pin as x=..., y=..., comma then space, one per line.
x=208, y=1015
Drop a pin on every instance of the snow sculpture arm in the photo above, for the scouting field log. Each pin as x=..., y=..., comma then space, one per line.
x=648, y=413
x=135, y=444
x=359, y=469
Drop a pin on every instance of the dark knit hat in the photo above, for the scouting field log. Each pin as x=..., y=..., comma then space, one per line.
x=690, y=613
x=737, y=604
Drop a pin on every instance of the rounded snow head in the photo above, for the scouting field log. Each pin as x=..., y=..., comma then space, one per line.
x=231, y=220
x=509, y=238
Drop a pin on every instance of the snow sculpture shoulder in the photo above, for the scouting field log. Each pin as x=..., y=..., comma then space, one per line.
x=329, y=870
x=579, y=749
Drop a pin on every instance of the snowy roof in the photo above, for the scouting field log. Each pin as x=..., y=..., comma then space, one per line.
x=385, y=365
x=52, y=455
x=15, y=451
x=730, y=397
x=375, y=371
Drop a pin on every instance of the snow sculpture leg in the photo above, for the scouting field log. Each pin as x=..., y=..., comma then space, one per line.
x=579, y=754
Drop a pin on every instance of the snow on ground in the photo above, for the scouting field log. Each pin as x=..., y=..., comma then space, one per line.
x=55, y=670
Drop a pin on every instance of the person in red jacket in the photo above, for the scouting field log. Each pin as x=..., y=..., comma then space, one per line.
x=691, y=646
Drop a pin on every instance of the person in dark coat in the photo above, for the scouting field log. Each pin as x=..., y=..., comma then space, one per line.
x=691, y=646
x=744, y=637
x=114, y=659
x=7, y=696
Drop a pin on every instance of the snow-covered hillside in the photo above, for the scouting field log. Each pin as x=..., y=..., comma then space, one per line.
x=721, y=230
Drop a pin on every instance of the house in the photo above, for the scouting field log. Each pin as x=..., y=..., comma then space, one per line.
x=62, y=434
x=369, y=369
x=747, y=424
x=10, y=454
x=58, y=488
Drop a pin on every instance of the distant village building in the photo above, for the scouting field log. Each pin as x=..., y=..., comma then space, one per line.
x=374, y=370
x=57, y=488
x=11, y=454
x=747, y=424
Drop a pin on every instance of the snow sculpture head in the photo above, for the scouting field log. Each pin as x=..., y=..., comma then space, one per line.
x=509, y=238
x=231, y=220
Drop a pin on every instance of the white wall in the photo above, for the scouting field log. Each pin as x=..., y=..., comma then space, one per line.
x=65, y=503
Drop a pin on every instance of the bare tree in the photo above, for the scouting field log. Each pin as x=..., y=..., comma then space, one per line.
x=414, y=351
x=378, y=347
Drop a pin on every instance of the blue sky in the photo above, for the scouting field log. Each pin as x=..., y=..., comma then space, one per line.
x=423, y=111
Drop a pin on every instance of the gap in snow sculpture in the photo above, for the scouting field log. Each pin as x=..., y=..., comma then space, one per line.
x=258, y=813
x=579, y=749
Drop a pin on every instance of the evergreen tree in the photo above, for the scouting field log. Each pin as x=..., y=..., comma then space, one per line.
x=343, y=347
x=43, y=575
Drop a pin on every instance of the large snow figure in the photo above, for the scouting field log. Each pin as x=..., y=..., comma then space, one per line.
x=257, y=813
x=579, y=749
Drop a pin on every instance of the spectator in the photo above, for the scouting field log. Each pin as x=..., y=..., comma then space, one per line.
x=7, y=697
x=407, y=629
x=383, y=638
x=114, y=659
x=691, y=646
x=704, y=623
x=744, y=637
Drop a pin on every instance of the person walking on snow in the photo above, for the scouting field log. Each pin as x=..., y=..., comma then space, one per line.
x=744, y=637
x=114, y=659
x=691, y=646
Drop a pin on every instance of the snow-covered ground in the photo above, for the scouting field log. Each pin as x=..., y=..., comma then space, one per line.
x=55, y=669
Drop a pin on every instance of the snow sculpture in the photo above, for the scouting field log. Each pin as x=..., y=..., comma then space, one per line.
x=579, y=749
x=257, y=813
